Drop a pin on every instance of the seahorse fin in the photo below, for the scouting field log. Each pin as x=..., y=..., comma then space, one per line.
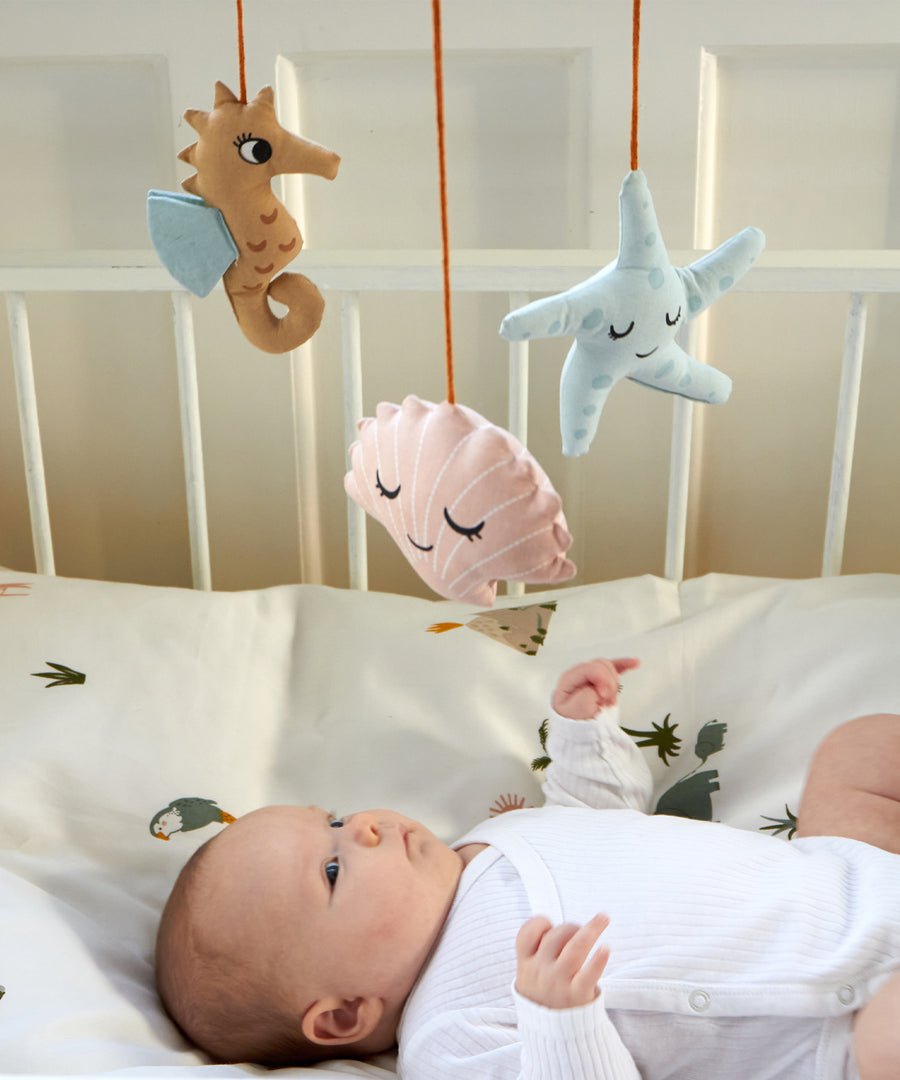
x=191, y=239
x=191, y=184
x=187, y=154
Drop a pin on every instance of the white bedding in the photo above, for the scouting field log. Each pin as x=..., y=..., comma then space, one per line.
x=307, y=694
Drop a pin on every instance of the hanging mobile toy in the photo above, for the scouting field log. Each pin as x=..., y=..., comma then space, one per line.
x=464, y=500
x=231, y=224
x=624, y=318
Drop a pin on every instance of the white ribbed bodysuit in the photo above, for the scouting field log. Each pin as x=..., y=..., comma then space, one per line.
x=733, y=955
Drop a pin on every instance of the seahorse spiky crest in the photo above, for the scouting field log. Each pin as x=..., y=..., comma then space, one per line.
x=241, y=147
x=190, y=185
x=224, y=96
x=197, y=118
x=266, y=96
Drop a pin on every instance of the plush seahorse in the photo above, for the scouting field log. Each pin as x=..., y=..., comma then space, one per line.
x=241, y=146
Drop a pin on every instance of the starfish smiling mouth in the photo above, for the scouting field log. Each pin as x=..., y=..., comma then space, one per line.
x=644, y=355
x=421, y=547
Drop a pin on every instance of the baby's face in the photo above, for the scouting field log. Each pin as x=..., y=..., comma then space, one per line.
x=354, y=907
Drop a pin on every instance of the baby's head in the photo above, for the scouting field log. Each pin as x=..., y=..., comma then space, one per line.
x=293, y=936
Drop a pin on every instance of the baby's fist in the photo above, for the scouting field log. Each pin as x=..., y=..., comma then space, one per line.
x=554, y=966
x=585, y=689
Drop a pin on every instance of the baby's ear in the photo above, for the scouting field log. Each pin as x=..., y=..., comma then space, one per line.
x=335, y=1021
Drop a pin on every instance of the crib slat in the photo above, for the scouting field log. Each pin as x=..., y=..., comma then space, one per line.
x=845, y=436
x=192, y=446
x=518, y=378
x=692, y=340
x=679, y=487
x=518, y=402
x=26, y=398
x=351, y=351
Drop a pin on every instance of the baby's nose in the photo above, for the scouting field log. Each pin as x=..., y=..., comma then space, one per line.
x=365, y=829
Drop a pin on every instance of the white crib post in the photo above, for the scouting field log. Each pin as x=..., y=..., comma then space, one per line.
x=680, y=467
x=679, y=487
x=31, y=436
x=189, y=399
x=844, y=436
x=518, y=378
x=351, y=351
x=518, y=402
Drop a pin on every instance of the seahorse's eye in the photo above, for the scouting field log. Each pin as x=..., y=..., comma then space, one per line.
x=615, y=334
x=255, y=151
x=332, y=869
x=470, y=534
x=671, y=322
x=384, y=491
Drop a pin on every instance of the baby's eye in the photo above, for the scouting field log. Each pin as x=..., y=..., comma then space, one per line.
x=331, y=871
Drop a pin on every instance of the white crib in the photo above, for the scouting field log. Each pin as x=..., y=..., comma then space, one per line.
x=856, y=275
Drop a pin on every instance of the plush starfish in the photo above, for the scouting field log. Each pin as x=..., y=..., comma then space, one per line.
x=624, y=318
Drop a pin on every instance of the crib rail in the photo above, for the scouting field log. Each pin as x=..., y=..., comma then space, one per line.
x=856, y=274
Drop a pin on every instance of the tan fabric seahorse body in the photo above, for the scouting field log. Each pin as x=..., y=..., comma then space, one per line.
x=241, y=146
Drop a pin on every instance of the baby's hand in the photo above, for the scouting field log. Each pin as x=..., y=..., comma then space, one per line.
x=586, y=688
x=553, y=965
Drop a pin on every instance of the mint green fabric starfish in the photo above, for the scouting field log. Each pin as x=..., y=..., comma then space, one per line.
x=624, y=318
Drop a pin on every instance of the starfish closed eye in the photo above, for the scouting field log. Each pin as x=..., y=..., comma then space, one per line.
x=642, y=291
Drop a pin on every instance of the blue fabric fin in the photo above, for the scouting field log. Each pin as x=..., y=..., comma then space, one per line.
x=190, y=238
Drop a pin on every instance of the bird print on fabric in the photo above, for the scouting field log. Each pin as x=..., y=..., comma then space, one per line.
x=187, y=814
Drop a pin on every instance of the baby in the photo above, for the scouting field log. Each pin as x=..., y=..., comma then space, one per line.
x=293, y=936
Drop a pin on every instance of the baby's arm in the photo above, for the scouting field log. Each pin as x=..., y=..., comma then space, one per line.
x=593, y=762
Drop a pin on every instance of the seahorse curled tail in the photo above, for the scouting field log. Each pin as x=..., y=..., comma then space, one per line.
x=264, y=329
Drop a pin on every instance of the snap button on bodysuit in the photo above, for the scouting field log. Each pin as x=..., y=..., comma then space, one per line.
x=699, y=1000
x=846, y=994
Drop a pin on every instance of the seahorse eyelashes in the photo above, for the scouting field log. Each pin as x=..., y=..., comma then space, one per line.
x=254, y=151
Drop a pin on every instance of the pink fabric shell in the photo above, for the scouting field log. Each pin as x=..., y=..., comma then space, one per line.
x=465, y=502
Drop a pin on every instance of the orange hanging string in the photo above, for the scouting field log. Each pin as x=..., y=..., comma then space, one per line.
x=442, y=168
x=242, y=61
x=635, y=64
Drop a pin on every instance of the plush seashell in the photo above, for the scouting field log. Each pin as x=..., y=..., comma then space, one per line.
x=465, y=501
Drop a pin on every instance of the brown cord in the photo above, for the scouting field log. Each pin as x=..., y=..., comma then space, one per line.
x=635, y=65
x=242, y=61
x=442, y=168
